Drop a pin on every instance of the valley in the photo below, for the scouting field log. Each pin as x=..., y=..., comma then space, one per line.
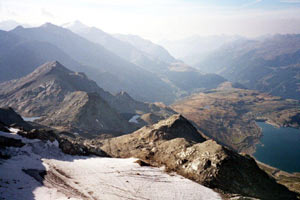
x=229, y=115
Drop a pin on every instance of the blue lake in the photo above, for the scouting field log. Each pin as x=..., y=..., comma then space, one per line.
x=280, y=147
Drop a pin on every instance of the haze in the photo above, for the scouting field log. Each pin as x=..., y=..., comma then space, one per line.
x=158, y=20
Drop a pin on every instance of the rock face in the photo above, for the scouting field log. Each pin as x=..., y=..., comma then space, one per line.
x=177, y=145
x=83, y=112
x=9, y=117
x=42, y=90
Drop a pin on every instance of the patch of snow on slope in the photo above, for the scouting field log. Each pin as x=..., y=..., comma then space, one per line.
x=79, y=177
x=30, y=119
x=14, y=130
x=134, y=119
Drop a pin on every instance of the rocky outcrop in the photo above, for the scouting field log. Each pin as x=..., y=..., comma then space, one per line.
x=177, y=145
x=44, y=89
x=86, y=113
x=10, y=142
x=68, y=145
x=8, y=117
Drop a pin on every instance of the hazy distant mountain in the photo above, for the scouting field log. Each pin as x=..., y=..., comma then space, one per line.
x=109, y=70
x=194, y=49
x=10, y=24
x=191, y=80
x=270, y=64
x=154, y=50
x=20, y=56
x=123, y=49
x=24, y=49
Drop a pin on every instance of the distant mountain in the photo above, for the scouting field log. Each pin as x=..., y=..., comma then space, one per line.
x=23, y=50
x=20, y=56
x=189, y=79
x=64, y=99
x=109, y=70
x=151, y=57
x=270, y=64
x=154, y=50
x=122, y=49
x=10, y=24
x=194, y=49
x=62, y=96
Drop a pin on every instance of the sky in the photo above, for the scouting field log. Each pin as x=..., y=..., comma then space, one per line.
x=163, y=19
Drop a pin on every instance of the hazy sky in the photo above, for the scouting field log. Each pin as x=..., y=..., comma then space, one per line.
x=163, y=19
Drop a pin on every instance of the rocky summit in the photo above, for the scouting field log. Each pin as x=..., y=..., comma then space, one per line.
x=88, y=113
x=177, y=145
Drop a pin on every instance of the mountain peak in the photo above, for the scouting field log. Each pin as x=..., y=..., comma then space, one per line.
x=123, y=94
x=48, y=24
x=53, y=66
x=176, y=126
x=19, y=27
x=75, y=26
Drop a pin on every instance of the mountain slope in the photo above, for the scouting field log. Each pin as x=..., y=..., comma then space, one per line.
x=66, y=100
x=20, y=56
x=269, y=64
x=154, y=50
x=194, y=49
x=108, y=70
x=41, y=168
x=228, y=115
x=86, y=113
x=48, y=90
x=33, y=94
x=176, y=144
x=151, y=57
x=123, y=49
x=10, y=24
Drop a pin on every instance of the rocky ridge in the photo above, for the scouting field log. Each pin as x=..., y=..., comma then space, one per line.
x=51, y=88
x=177, y=145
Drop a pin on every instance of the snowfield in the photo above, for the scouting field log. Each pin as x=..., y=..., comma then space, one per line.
x=40, y=170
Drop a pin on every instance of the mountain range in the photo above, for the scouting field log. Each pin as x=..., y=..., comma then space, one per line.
x=115, y=64
x=64, y=99
x=269, y=64
x=70, y=94
x=184, y=79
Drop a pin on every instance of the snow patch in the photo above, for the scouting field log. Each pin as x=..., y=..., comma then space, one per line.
x=134, y=119
x=30, y=119
x=14, y=130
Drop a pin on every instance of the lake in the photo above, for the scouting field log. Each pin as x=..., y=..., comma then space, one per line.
x=280, y=147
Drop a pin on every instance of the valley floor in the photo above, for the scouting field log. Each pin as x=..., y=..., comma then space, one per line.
x=40, y=170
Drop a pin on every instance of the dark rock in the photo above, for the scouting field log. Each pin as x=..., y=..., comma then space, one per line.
x=142, y=163
x=9, y=117
x=10, y=142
